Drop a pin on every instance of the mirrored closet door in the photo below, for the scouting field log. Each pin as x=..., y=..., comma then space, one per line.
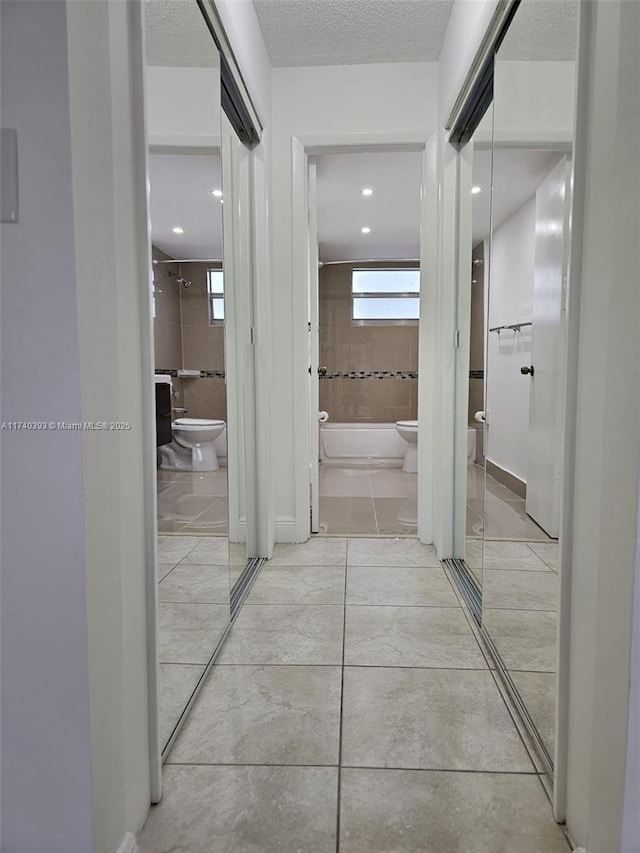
x=186, y=219
x=526, y=325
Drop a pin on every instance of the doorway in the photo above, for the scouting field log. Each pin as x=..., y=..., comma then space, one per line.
x=366, y=290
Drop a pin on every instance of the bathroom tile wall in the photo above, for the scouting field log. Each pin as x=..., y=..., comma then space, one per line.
x=185, y=338
x=348, y=349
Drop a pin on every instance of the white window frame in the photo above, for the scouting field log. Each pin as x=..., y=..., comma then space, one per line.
x=215, y=296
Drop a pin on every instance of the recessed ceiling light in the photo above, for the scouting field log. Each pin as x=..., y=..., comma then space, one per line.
x=217, y=193
x=178, y=230
x=367, y=191
x=476, y=190
x=366, y=230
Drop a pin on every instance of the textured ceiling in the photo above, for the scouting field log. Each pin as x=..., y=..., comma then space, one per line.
x=542, y=30
x=392, y=212
x=352, y=32
x=177, y=35
x=181, y=187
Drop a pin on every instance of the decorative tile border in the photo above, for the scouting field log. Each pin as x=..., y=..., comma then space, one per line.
x=204, y=374
x=476, y=374
x=371, y=374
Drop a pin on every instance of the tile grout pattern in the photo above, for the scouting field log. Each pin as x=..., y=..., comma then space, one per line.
x=294, y=746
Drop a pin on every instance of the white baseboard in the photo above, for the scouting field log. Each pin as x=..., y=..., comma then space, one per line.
x=580, y=850
x=129, y=844
x=286, y=529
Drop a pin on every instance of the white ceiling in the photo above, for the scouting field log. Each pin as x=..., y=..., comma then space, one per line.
x=542, y=30
x=176, y=35
x=181, y=187
x=517, y=173
x=352, y=32
x=392, y=212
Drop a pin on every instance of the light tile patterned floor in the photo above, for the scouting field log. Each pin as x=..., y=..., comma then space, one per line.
x=193, y=502
x=389, y=736
x=380, y=499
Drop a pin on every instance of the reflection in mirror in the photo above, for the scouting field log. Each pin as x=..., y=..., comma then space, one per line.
x=526, y=326
x=185, y=176
x=479, y=275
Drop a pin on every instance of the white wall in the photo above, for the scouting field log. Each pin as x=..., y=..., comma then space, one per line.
x=389, y=98
x=75, y=741
x=510, y=301
x=46, y=746
x=603, y=523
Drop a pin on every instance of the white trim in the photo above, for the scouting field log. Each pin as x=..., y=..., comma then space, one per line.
x=302, y=145
x=262, y=348
x=286, y=529
x=129, y=844
x=461, y=354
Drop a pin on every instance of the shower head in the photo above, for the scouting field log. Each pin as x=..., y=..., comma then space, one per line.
x=183, y=281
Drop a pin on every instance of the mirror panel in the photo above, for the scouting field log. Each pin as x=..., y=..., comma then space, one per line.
x=525, y=339
x=189, y=308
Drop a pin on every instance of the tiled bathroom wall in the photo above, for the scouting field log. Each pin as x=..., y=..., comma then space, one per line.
x=186, y=339
x=371, y=370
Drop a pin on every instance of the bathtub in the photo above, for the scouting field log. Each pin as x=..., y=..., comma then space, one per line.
x=372, y=441
x=361, y=441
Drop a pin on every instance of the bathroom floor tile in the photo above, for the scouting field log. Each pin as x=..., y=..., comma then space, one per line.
x=241, y=809
x=407, y=585
x=182, y=507
x=474, y=551
x=286, y=634
x=394, y=552
x=393, y=483
x=340, y=516
x=299, y=585
x=264, y=715
x=525, y=639
x=176, y=683
x=204, y=584
x=519, y=590
x=189, y=633
x=345, y=482
x=214, y=519
x=163, y=570
x=410, y=636
x=428, y=719
x=475, y=525
x=397, y=516
x=317, y=551
x=411, y=811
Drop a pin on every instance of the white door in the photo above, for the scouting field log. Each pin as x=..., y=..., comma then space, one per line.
x=545, y=409
x=314, y=390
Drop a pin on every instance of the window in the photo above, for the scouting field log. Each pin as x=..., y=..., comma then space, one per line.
x=385, y=296
x=215, y=290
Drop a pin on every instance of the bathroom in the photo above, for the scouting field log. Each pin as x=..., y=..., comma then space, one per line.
x=368, y=221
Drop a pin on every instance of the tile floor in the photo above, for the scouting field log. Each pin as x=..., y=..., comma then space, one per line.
x=354, y=716
x=194, y=579
x=193, y=502
x=381, y=499
x=367, y=500
x=505, y=515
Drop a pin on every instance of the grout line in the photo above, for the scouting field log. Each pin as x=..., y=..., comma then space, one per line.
x=357, y=767
x=344, y=639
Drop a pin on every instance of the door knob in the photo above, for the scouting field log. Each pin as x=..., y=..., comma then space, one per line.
x=524, y=370
x=322, y=371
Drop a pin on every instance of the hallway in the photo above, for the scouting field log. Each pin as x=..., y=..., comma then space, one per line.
x=352, y=709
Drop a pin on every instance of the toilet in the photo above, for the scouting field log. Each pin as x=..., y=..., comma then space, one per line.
x=409, y=431
x=192, y=448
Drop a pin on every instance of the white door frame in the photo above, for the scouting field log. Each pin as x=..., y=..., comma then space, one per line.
x=314, y=346
x=302, y=146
